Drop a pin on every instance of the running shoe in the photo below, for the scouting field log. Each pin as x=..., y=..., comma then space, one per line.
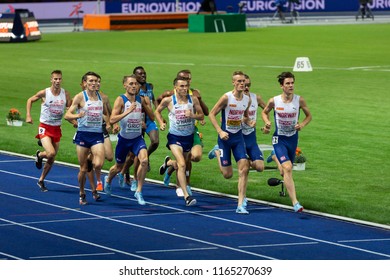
x=241, y=210
x=179, y=192
x=298, y=207
x=99, y=186
x=269, y=158
x=190, y=201
x=107, y=186
x=42, y=186
x=38, y=160
x=245, y=202
x=189, y=190
x=212, y=152
x=134, y=185
x=121, y=180
x=95, y=195
x=89, y=165
x=164, y=166
x=139, y=197
x=83, y=199
x=167, y=178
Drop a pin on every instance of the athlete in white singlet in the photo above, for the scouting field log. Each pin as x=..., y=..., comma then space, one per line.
x=286, y=108
x=234, y=106
x=54, y=101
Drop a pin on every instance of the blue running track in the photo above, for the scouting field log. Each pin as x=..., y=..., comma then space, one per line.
x=53, y=226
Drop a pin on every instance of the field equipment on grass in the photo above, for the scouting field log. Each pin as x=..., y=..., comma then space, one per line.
x=273, y=182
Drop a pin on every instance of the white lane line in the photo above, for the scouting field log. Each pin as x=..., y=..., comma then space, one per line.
x=16, y=160
x=71, y=238
x=364, y=240
x=277, y=245
x=9, y=256
x=73, y=255
x=177, y=250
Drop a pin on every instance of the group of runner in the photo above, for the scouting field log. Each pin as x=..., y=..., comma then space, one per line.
x=137, y=111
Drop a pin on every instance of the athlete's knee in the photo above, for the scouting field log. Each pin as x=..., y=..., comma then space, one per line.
x=227, y=175
x=258, y=166
x=181, y=165
x=50, y=154
x=196, y=158
x=144, y=161
x=109, y=157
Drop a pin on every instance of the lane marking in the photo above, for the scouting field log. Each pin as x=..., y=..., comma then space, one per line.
x=125, y=223
x=365, y=240
x=177, y=250
x=67, y=256
x=280, y=244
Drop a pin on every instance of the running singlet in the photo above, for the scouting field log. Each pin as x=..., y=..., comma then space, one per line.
x=286, y=116
x=252, y=112
x=179, y=124
x=233, y=114
x=93, y=118
x=131, y=125
x=53, y=108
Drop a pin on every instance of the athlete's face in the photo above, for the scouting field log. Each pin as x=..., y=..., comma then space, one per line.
x=141, y=75
x=239, y=82
x=56, y=80
x=98, y=84
x=181, y=87
x=132, y=86
x=91, y=83
x=247, y=85
x=288, y=86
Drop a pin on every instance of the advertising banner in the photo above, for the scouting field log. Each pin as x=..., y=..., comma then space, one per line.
x=57, y=10
x=75, y=9
x=232, y=6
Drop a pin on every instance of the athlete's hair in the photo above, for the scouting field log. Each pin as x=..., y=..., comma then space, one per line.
x=90, y=73
x=285, y=75
x=185, y=71
x=59, y=72
x=138, y=68
x=128, y=77
x=235, y=73
x=178, y=78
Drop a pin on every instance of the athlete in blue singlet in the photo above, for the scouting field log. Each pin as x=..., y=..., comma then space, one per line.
x=150, y=127
x=286, y=108
x=183, y=111
x=89, y=108
x=128, y=112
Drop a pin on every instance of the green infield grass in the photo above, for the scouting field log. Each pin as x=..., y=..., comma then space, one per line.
x=346, y=144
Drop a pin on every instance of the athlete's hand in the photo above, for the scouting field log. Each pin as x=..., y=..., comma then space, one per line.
x=266, y=129
x=163, y=126
x=298, y=127
x=223, y=135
